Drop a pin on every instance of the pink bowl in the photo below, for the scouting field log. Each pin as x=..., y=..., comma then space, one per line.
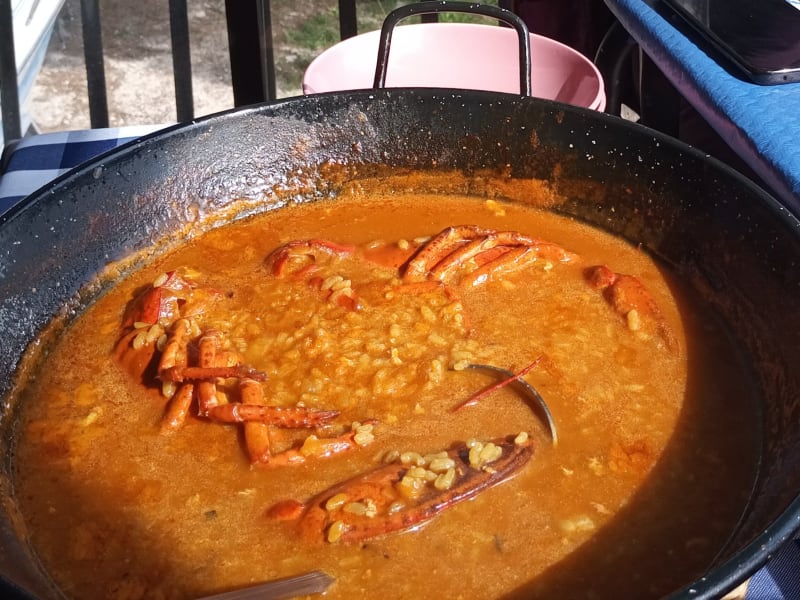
x=459, y=55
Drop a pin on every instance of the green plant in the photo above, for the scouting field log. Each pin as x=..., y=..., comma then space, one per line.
x=321, y=29
x=316, y=32
x=311, y=27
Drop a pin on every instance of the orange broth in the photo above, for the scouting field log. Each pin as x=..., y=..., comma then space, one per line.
x=653, y=466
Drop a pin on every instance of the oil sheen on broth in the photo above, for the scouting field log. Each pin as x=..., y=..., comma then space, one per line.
x=651, y=471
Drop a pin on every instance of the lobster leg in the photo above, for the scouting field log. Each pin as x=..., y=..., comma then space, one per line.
x=180, y=374
x=256, y=435
x=440, y=246
x=288, y=417
x=316, y=447
x=470, y=251
x=507, y=261
x=207, y=388
x=178, y=408
x=175, y=350
x=457, y=251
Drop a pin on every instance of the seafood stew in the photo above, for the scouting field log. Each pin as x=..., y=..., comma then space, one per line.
x=297, y=391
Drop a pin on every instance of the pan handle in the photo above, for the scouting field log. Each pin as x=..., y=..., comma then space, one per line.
x=422, y=8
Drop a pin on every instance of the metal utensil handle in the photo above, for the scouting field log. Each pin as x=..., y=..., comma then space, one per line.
x=422, y=8
x=315, y=582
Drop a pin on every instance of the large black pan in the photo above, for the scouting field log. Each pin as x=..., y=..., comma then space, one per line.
x=729, y=240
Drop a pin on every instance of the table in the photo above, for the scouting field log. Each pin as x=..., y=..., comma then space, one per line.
x=35, y=161
x=761, y=124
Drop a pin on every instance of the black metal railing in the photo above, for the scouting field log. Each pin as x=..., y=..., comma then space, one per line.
x=251, y=49
x=252, y=59
x=9, y=95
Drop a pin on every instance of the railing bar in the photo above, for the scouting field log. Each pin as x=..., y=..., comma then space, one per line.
x=348, y=23
x=243, y=46
x=9, y=88
x=181, y=59
x=266, y=49
x=93, y=59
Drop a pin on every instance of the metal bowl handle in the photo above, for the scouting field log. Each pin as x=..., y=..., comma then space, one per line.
x=422, y=8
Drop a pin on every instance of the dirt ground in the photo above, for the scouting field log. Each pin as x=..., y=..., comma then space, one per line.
x=138, y=62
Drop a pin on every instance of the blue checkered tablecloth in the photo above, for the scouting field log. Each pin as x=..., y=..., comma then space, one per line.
x=32, y=162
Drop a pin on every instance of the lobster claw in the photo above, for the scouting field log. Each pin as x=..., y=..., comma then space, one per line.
x=633, y=302
x=160, y=301
x=142, y=363
x=398, y=497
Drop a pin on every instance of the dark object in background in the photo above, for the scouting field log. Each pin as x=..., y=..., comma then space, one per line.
x=580, y=24
x=761, y=39
x=588, y=25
